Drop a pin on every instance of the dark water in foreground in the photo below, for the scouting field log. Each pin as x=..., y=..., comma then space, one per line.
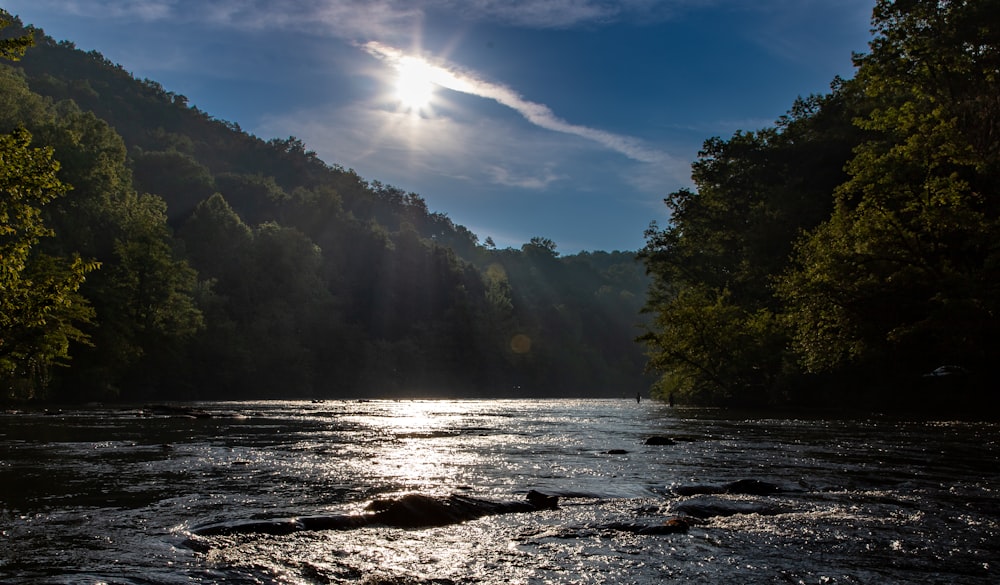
x=109, y=496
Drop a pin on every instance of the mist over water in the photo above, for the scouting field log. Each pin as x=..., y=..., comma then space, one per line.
x=114, y=495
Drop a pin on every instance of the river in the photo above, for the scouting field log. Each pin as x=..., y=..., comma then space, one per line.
x=114, y=495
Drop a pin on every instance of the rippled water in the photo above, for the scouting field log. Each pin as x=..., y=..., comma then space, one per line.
x=111, y=496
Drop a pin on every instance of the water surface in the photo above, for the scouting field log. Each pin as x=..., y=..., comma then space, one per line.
x=112, y=495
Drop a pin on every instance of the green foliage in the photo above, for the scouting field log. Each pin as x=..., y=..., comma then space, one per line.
x=40, y=307
x=13, y=48
x=905, y=270
x=715, y=352
x=857, y=238
x=173, y=175
x=728, y=241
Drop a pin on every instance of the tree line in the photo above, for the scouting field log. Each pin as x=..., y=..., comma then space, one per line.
x=151, y=251
x=844, y=254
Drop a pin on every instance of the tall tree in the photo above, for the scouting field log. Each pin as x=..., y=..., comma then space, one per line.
x=41, y=309
x=143, y=295
x=906, y=272
x=716, y=334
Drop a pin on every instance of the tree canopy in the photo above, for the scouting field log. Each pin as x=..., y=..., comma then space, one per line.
x=855, y=240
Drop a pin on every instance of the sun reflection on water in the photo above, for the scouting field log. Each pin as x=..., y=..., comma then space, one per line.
x=421, y=450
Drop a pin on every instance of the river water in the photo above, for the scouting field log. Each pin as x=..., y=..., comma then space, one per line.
x=114, y=495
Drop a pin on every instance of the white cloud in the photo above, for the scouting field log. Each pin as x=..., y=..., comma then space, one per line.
x=383, y=142
x=144, y=10
x=571, y=13
x=505, y=176
x=366, y=19
x=540, y=115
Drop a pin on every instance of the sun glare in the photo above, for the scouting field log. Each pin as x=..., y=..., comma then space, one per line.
x=414, y=83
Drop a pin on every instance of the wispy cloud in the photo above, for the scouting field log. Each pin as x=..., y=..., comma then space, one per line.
x=570, y=13
x=540, y=115
x=379, y=26
x=392, y=144
x=507, y=177
x=781, y=28
x=143, y=10
x=365, y=18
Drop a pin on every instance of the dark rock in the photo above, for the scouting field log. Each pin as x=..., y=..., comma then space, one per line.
x=410, y=511
x=672, y=525
x=711, y=506
x=275, y=527
x=617, y=452
x=750, y=487
x=335, y=522
x=660, y=441
x=753, y=487
x=543, y=501
x=417, y=510
x=694, y=490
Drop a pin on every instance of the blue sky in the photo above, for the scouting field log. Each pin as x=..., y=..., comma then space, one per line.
x=567, y=119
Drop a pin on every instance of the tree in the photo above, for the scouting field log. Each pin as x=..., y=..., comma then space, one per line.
x=13, y=48
x=41, y=309
x=906, y=272
x=143, y=294
x=729, y=240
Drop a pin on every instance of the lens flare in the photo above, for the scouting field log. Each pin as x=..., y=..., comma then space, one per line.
x=414, y=83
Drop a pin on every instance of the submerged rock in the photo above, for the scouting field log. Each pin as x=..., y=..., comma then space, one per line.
x=753, y=487
x=410, y=511
x=417, y=510
x=695, y=490
x=703, y=507
x=672, y=525
x=660, y=441
x=750, y=487
x=543, y=501
x=184, y=411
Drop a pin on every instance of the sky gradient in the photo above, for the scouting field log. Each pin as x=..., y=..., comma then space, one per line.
x=566, y=119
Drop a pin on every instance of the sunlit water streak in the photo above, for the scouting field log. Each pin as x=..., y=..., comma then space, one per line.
x=108, y=495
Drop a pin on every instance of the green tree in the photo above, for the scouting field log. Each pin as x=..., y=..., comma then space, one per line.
x=13, y=48
x=729, y=240
x=41, y=309
x=143, y=295
x=905, y=273
x=175, y=176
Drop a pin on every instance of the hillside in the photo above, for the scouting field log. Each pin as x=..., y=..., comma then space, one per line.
x=231, y=266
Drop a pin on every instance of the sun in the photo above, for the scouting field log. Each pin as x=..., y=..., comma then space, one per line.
x=414, y=83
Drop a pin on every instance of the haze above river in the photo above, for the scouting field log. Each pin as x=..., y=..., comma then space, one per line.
x=114, y=495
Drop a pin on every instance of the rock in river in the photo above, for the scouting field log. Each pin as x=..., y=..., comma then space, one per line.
x=409, y=511
x=750, y=487
x=703, y=507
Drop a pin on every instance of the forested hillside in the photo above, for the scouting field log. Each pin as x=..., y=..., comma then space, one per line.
x=150, y=251
x=845, y=254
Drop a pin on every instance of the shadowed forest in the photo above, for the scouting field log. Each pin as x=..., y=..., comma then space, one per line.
x=846, y=256
x=849, y=254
